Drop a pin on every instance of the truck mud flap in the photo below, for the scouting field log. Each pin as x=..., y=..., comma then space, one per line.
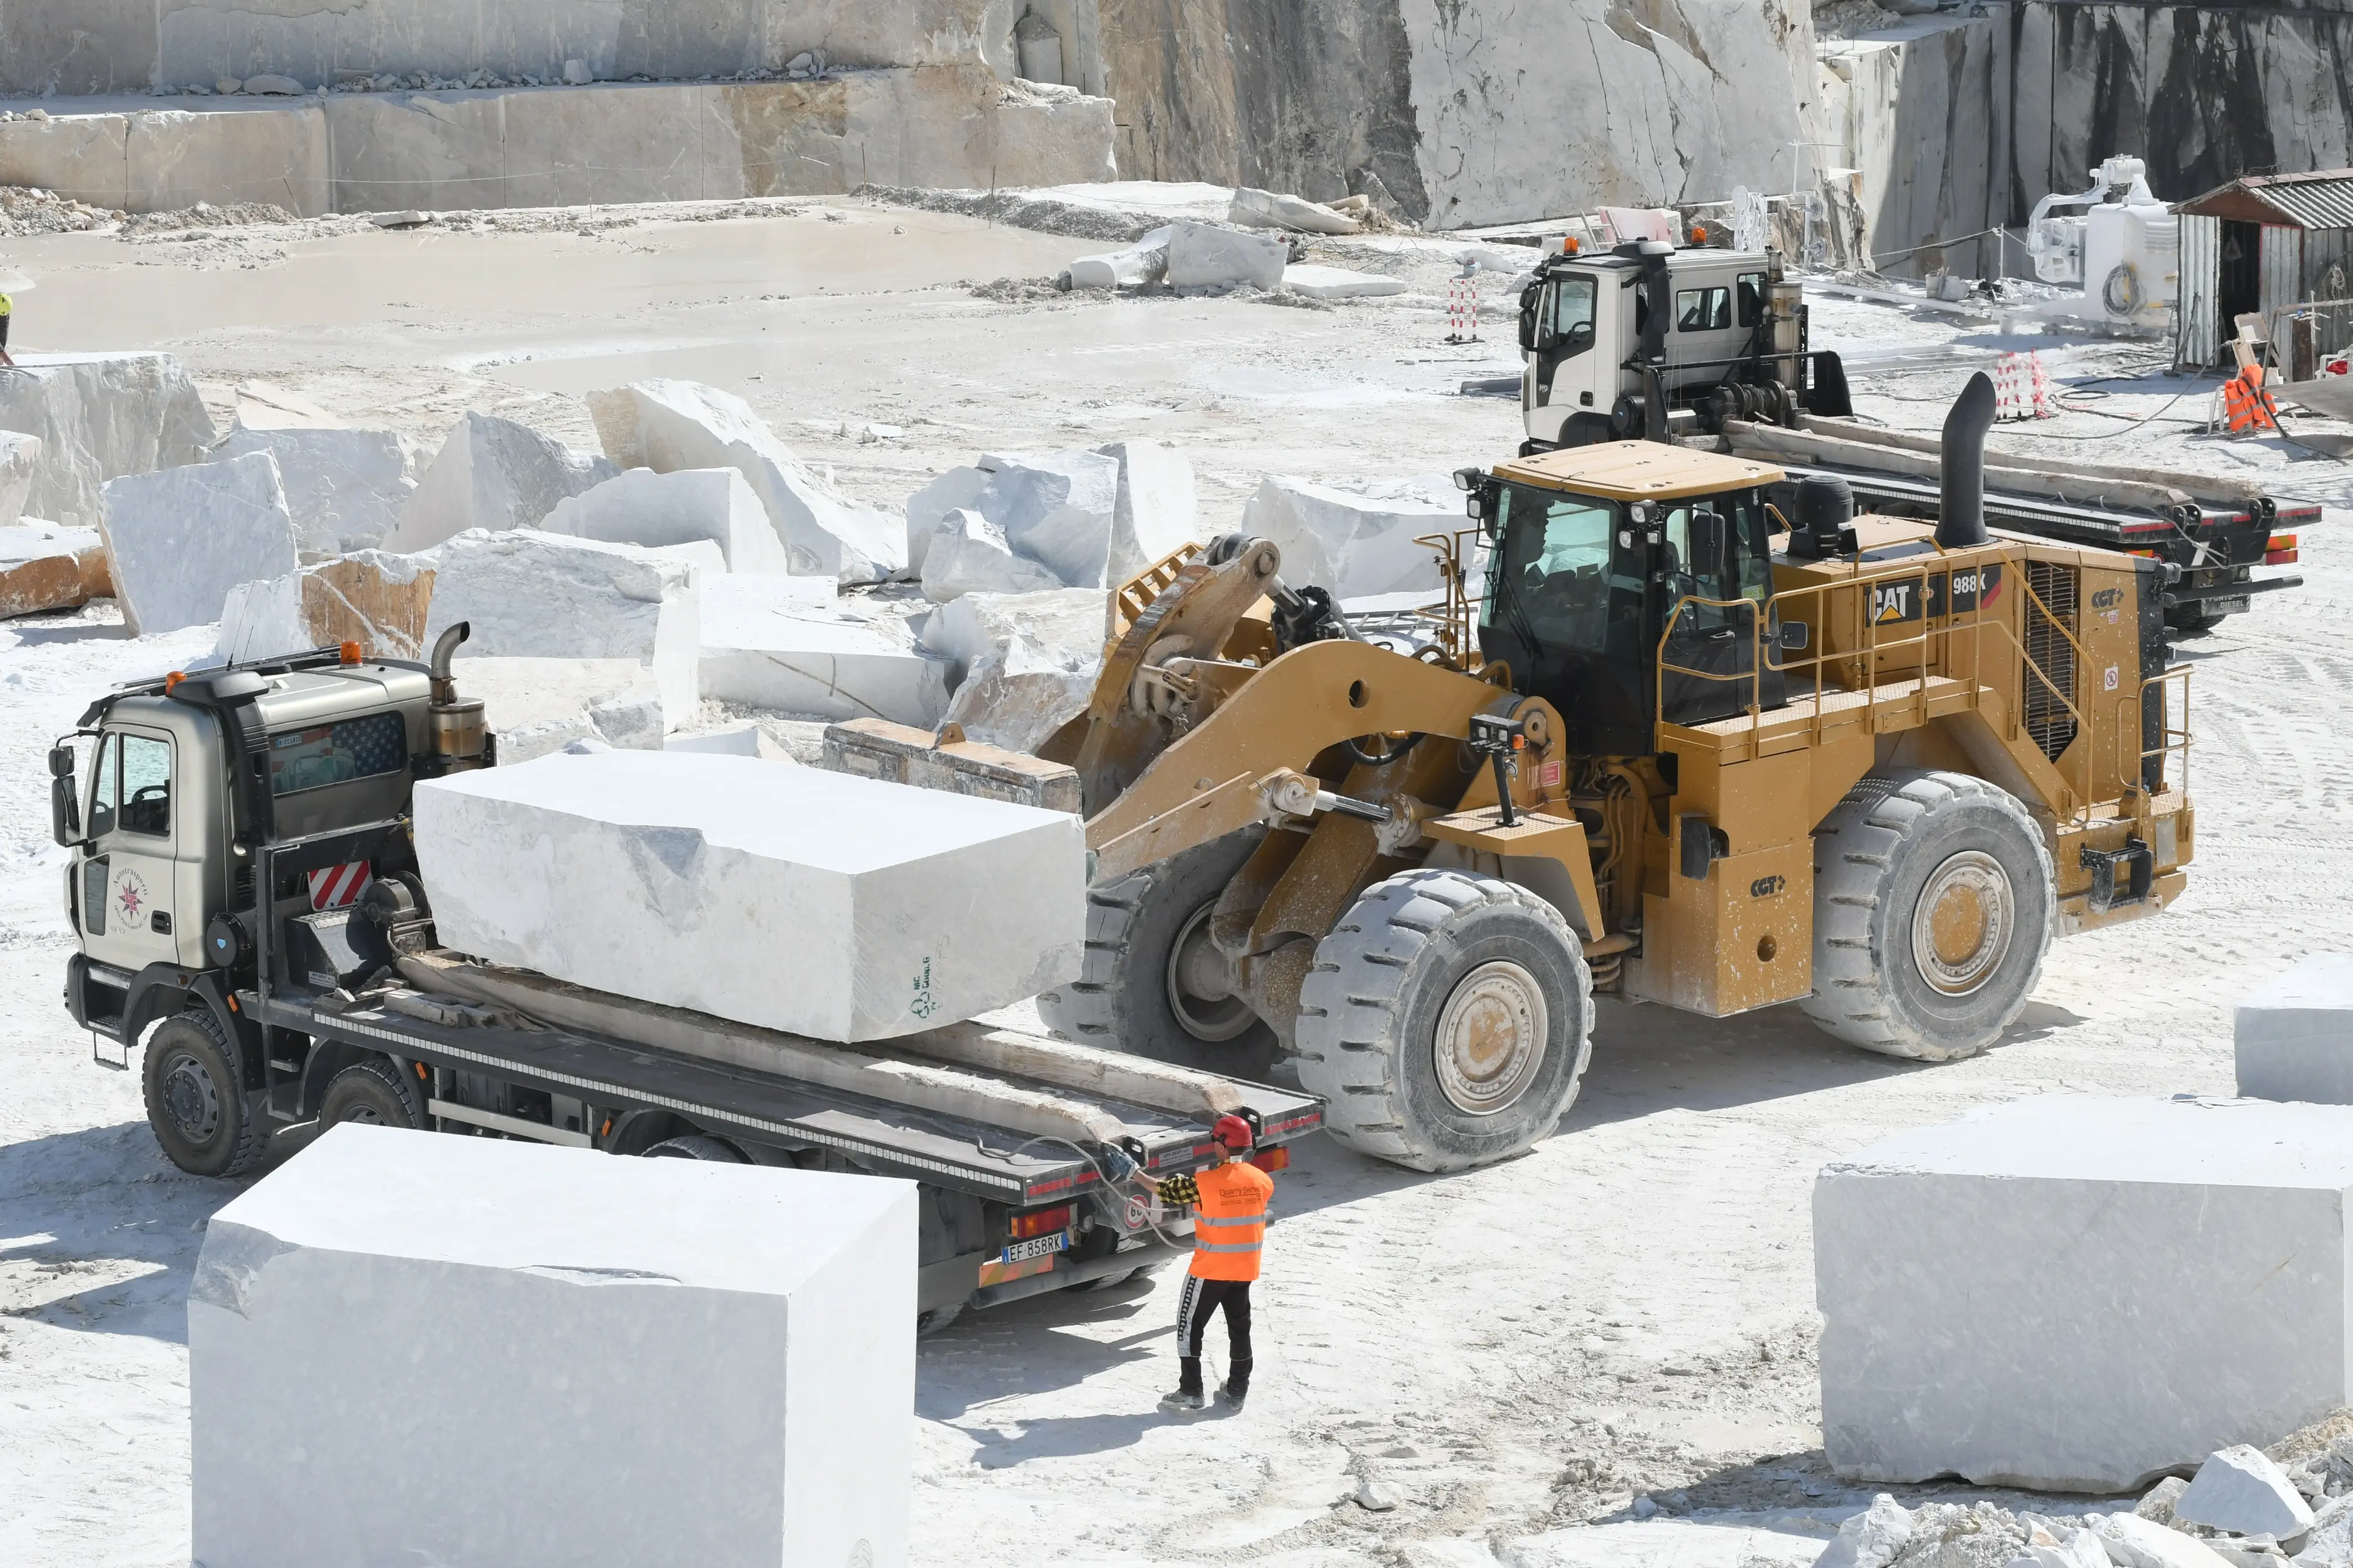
x=1826, y=390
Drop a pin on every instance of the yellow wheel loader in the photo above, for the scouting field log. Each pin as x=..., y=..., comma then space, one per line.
x=1665, y=742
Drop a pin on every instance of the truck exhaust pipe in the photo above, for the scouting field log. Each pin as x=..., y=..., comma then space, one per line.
x=1960, y=519
x=460, y=737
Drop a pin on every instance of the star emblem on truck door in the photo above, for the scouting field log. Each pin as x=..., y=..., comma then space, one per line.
x=130, y=897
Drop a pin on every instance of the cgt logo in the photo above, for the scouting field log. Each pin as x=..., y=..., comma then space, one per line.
x=2107, y=598
x=1766, y=887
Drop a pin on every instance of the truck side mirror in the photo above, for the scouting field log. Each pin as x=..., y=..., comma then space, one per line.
x=1531, y=309
x=65, y=805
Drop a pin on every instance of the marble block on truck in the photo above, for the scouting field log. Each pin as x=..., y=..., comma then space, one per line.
x=844, y=909
x=414, y=1349
x=2294, y=1037
x=2075, y=1292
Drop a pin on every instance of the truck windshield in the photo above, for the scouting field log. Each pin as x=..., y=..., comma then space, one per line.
x=336, y=754
x=1559, y=579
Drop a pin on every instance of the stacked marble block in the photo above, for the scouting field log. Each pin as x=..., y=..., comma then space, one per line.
x=839, y=908
x=2077, y=1292
x=414, y=1349
x=2294, y=1037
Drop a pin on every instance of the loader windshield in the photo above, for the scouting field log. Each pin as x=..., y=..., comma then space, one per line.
x=1560, y=579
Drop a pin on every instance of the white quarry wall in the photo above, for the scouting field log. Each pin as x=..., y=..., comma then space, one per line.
x=1528, y=111
x=942, y=126
x=686, y=880
x=2075, y=1293
x=757, y=1324
x=116, y=46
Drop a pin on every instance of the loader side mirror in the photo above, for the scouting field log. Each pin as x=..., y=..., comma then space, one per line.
x=1710, y=544
x=65, y=807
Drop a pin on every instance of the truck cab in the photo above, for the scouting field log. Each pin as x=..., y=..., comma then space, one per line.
x=1651, y=340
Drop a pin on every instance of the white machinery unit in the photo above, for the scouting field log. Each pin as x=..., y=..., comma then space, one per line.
x=2123, y=250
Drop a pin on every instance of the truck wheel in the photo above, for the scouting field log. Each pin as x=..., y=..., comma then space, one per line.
x=1446, y=1022
x=195, y=1097
x=1148, y=960
x=374, y=1093
x=933, y=1320
x=697, y=1146
x=1934, y=904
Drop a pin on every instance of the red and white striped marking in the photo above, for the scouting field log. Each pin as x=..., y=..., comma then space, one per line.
x=338, y=885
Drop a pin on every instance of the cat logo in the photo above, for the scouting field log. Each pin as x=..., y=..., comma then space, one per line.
x=1893, y=602
x=1972, y=588
x=2107, y=598
x=1766, y=887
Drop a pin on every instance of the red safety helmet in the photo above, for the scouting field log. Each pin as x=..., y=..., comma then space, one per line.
x=1233, y=1132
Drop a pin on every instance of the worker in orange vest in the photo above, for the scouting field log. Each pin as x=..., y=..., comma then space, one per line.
x=1228, y=1202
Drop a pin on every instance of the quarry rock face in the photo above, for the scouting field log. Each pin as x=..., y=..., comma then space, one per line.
x=509, y=1292
x=670, y=425
x=494, y=474
x=377, y=600
x=345, y=489
x=643, y=507
x=544, y=595
x=2131, y=1354
x=902, y=908
x=178, y=540
x=98, y=417
x=1354, y=545
x=769, y=646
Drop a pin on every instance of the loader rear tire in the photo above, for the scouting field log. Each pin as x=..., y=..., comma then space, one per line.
x=1934, y=905
x=1131, y=994
x=1446, y=1022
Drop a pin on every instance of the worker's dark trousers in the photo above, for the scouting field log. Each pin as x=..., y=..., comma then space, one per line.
x=1199, y=1302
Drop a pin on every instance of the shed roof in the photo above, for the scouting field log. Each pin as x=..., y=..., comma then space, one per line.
x=2323, y=199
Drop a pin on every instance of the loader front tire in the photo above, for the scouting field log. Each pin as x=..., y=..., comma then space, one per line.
x=1446, y=1021
x=1934, y=905
x=1137, y=989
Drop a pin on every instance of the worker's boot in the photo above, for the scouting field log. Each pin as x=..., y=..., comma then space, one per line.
x=1188, y=1395
x=1235, y=1391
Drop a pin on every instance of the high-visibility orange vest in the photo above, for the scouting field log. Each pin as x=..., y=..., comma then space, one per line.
x=2245, y=404
x=1230, y=1221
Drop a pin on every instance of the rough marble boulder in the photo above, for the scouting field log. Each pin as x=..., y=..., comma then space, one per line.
x=20, y=461
x=512, y=1294
x=1274, y=209
x=1146, y=261
x=680, y=879
x=495, y=474
x=543, y=595
x=370, y=597
x=178, y=540
x=1353, y=546
x=2239, y=1490
x=967, y=553
x=1958, y=1339
x=1315, y=282
x=536, y=706
x=1059, y=509
x=670, y=425
x=643, y=507
x=769, y=647
x=1202, y=255
x=345, y=489
x=1158, y=512
x=98, y=417
x=46, y=567
x=1024, y=663
x=2294, y=1038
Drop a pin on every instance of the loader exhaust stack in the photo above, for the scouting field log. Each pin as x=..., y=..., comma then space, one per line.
x=1960, y=520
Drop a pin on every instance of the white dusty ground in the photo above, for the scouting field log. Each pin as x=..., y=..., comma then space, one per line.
x=1629, y=1309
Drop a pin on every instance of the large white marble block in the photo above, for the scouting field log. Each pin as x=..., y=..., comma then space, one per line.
x=967, y=553
x=345, y=489
x=100, y=416
x=768, y=644
x=643, y=507
x=2075, y=1293
x=179, y=540
x=670, y=425
x=496, y=474
x=1354, y=545
x=2294, y=1037
x=412, y=1348
x=528, y=595
x=840, y=908
x=1202, y=255
x=1159, y=509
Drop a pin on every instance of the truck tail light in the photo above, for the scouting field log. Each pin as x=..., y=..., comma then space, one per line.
x=1271, y=1159
x=2281, y=551
x=1026, y=1226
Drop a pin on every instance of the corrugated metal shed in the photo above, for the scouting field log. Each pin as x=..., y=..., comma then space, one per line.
x=2320, y=200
